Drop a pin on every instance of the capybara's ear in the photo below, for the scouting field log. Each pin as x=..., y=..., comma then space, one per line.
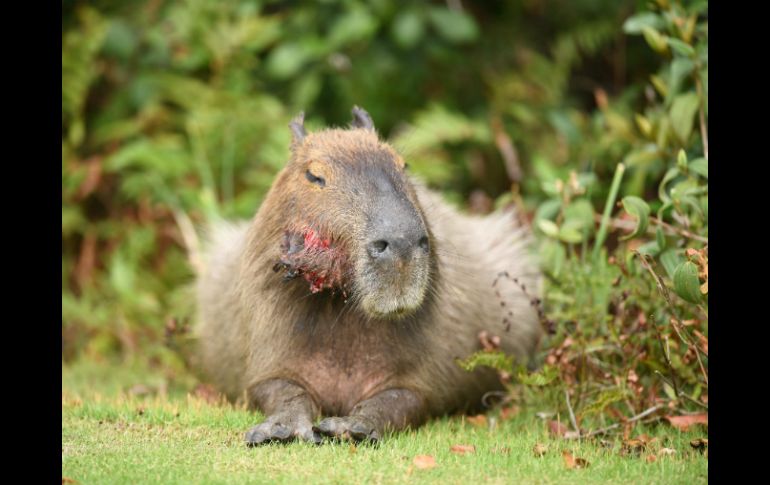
x=297, y=126
x=361, y=119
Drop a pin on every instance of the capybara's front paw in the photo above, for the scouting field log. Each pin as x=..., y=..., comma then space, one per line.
x=281, y=428
x=356, y=428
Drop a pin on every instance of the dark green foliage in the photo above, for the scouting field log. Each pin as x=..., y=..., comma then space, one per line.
x=175, y=113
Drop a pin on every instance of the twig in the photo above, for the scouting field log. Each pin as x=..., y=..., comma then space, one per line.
x=682, y=232
x=677, y=322
x=507, y=150
x=629, y=420
x=571, y=413
x=695, y=401
x=700, y=363
x=671, y=230
x=664, y=292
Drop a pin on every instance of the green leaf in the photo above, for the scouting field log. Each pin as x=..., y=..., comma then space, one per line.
x=549, y=228
x=655, y=39
x=669, y=391
x=642, y=156
x=680, y=47
x=408, y=29
x=456, y=27
x=540, y=378
x=553, y=255
x=681, y=160
x=650, y=248
x=122, y=275
x=496, y=360
x=682, y=113
x=640, y=210
x=660, y=238
x=286, y=60
x=635, y=23
x=671, y=174
x=686, y=282
x=580, y=215
x=699, y=166
x=354, y=27
x=681, y=67
x=660, y=85
x=548, y=209
x=72, y=220
x=666, y=205
x=604, y=399
x=671, y=259
x=570, y=234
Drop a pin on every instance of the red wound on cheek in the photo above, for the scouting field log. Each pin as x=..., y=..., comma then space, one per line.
x=314, y=241
x=316, y=258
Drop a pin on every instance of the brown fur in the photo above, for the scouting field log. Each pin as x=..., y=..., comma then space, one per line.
x=256, y=327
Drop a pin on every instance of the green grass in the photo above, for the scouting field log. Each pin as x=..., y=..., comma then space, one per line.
x=111, y=436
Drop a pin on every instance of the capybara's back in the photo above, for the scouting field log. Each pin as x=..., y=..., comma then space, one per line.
x=353, y=292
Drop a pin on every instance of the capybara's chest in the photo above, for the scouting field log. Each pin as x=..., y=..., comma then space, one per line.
x=342, y=371
x=339, y=381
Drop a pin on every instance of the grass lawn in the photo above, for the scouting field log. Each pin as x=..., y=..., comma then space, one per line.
x=112, y=436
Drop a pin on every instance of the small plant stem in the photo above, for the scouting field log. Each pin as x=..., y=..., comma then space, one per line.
x=695, y=401
x=682, y=232
x=608, y=210
x=571, y=413
x=639, y=416
x=670, y=230
x=700, y=363
x=701, y=116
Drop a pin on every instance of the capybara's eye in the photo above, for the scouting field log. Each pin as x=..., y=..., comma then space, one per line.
x=315, y=179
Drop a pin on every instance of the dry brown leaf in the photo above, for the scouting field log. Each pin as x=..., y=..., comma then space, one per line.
x=509, y=412
x=651, y=458
x=572, y=462
x=479, y=420
x=86, y=260
x=141, y=390
x=488, y=341
x=539, y=449
x=67, y=480
x=684, y=422
x=700, y=443
x=556, y=428
x=207, y=393
x=703, y=340
x=462, y=449
x=93, y=176
x=424, y=462
x=637, y=445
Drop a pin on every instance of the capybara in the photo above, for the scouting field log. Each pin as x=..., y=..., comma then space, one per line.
x=353, y=292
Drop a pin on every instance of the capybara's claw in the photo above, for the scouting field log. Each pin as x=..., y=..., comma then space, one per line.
x=272, y=430
x=355, y=428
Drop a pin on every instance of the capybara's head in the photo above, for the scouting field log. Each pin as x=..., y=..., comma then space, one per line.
x=351, y=221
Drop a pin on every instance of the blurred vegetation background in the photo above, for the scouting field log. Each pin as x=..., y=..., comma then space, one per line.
x=590, y=115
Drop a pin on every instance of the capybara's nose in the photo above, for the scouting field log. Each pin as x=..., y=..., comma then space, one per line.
x=401, y=247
